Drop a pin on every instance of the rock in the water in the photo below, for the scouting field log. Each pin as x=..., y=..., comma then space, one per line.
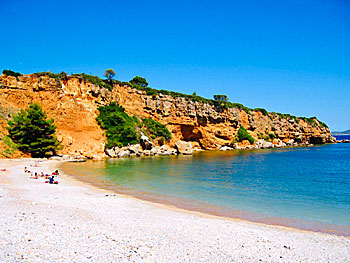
x=147, y=153
x=164, y=150
x=184, y=147
x=225, y=148
x=136, y=149
x=155, y=150
x=111, y=153
x=123, y=153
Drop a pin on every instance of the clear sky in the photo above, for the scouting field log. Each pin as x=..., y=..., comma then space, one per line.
x=289, y=56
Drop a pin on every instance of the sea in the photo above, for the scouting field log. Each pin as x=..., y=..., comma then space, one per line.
x=303, y=187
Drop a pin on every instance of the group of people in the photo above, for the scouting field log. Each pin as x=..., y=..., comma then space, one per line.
x=50, y=178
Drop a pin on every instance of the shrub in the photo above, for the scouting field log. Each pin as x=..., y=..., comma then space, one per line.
x=156, y=129
x=272, y=136
x=32, y=132
x=49, y=74
x=161, y=141
x=322, y=124
x=8, y=72
x=243, y=134
x=263, y=111
x=120, y=127
x=139, y=81
x=221, y=98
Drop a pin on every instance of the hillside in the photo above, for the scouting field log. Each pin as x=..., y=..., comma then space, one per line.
x=73, y=101
x=347, y=132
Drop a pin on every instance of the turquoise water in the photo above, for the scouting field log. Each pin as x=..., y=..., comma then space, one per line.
x=308, y=188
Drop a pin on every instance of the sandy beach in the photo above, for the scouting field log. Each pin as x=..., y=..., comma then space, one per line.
x=75, y=222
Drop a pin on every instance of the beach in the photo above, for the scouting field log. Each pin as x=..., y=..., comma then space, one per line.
x=75, y=222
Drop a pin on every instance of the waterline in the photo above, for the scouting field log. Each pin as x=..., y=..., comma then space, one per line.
x=306, y=188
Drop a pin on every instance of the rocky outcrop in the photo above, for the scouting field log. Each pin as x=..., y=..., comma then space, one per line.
x=136, y=150
x=145, y=142
x=73, y=103
x=184, y=147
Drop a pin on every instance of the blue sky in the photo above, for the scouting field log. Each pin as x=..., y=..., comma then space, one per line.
x=285, y=56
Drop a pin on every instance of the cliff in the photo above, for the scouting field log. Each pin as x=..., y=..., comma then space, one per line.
x=73, y=101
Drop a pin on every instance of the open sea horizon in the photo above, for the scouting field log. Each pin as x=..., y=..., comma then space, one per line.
x=304, y=187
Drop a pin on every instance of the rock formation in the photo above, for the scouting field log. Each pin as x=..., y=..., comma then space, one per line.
x=73, y=103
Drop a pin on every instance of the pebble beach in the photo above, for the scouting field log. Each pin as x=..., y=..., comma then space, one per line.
x=75, y=222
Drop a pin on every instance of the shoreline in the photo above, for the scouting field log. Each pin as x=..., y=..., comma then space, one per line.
x=142, y=230
x=192, y=206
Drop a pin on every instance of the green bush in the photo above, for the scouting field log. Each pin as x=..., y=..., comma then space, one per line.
x=8, y=72
x=156, y=129
x=263, y=111
x=49, y=74
x=221, y=98
x=243, y=134
x=32, y=132
x=139, y=81
x=263, y=137
x=310, y=121
x=322, y=124
x=120, y=127
x=272, y=136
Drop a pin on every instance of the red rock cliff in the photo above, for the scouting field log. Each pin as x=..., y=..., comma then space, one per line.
x=73, y=103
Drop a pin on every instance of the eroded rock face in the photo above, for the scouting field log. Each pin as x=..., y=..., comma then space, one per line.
x=73, y=103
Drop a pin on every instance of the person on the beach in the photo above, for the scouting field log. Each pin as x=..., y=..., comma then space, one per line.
x=51, y=180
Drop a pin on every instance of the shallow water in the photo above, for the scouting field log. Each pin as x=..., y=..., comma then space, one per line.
x=308, y=188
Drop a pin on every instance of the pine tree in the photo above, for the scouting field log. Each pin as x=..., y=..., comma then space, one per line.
x=33, y=133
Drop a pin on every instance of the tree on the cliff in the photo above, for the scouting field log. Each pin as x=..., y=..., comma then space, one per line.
x=139, y=81
x=33, y=132
x=109, y=74
x=221, y=98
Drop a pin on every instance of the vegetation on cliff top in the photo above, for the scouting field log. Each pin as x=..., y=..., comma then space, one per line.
x=33, y=133
x=8, y=72
x=122, y=129
x=140, y=83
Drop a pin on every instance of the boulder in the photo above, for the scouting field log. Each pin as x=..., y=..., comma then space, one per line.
x=123, y=153
x=155, y=150
x=111, y=152
x=290, y=142
x=164, y=150
x=184, y=147
x=135, y=149
x=225, y=148
x=147, y=153
x=145, y=143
